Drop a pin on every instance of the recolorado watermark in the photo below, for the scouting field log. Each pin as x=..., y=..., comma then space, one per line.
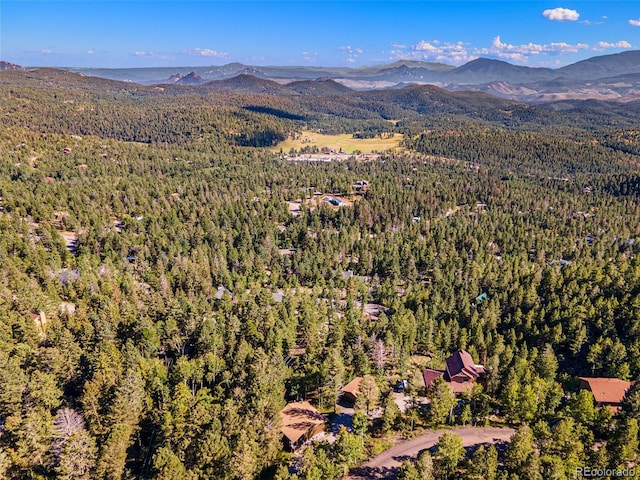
x=590, y=472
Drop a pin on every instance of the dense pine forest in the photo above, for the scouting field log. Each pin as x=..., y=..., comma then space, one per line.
x=160, y=303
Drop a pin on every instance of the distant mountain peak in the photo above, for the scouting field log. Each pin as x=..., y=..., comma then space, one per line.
x=319, y=86
x=234, y=65
x=483, y=63
x=8, y=66
x=191, y=78
x=604, y=65
x=485, y=70
x=435, y=66
x=485, y=60
x=245, y=83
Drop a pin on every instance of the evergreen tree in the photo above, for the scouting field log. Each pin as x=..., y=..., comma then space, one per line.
x=484, y=463
x=390, y=413
x=449, y=452
x=623, y=446
x=369, y=394
x=441, y=402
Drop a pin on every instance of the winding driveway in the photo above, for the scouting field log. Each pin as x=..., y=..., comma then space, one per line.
x=386, y=464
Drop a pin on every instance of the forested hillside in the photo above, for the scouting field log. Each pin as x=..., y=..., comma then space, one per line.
x=160, y=303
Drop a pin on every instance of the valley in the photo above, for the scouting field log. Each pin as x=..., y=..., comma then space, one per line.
x=243, y=278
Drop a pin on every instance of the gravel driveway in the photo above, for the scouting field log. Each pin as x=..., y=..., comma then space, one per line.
x=385, y=465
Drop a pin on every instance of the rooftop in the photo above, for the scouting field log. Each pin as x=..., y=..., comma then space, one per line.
x=353, y=387
x=461, y=362
x=298, y=418
x=607, y=390
x=429, y=376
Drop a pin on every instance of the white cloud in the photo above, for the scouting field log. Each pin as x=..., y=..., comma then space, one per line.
x=205, y=52
x=151, y=54
x=91, y=51
x=309, y=57
x=350, y=49
x=521, y=53
x=563, y=47
x=46, y=51
x=561, y=14
x=606, y=45
x=459, y=52
x=432, y=50
x=427, y=46
x=352, y=53
x=634, y=23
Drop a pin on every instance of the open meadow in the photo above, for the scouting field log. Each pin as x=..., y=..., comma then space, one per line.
x=343, y=141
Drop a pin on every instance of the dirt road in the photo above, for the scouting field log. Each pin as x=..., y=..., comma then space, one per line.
x=385, y=465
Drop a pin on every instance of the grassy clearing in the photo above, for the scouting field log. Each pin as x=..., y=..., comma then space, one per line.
x=344, y=142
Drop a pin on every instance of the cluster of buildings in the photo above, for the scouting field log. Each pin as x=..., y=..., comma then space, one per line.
x=301, y=421
x=331, y=156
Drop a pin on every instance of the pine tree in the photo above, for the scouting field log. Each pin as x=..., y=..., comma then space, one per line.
x=519, y=450
x=113, y=452
x=77, y=457
x=168, y=466
x=441, y=402
x=369, y=394
x=390, y=414
x=484, y=463
x=424, y=465
x=623, y=446
x=449, y=452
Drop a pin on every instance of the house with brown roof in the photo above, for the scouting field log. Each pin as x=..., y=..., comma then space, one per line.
x=430, y=376
x=606, y=391
x=460, y=373
x=300, y=422
x=349, y=393
x=462, y=369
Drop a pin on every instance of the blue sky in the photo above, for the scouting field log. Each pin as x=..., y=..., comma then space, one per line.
x=141, y=33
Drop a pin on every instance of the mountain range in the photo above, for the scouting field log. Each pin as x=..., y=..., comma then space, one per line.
x=325, y=100
x=606, y=77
